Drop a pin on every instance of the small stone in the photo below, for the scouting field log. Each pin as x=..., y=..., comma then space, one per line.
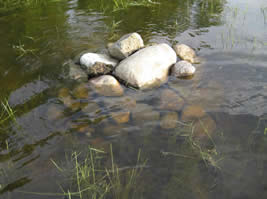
x=76, y=73
x=125, y=46
x=144, y=112
x=67, y=101
x=99, y=69
x=169, y=100
x=98, y=143
x=81, y=91
x=54, y=113
x=112, y=130
x=192, y=112
x=75, y=105
x=122, y=103
x=73, y=71
x=63, y=92
x=204, y=127
x=185, y=52
x=169, y=121
x=128, y=103
x=83, y=128
x=91, y=109
x=107, y=85
x=121, y=117
x=89, y=59
x=183, y=69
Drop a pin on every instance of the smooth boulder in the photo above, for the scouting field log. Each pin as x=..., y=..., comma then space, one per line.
x=97, y=64
x=106, y=85
x=125, y=46
x=185, y=52
x=183, y=69
x=147, y=67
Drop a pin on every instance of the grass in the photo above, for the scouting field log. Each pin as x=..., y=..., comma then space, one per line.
x=7, y=113
x=124, y=4
x=91, y=179
x=208, y=155
x=10, y=5
x=119, y=5
x=22, y=51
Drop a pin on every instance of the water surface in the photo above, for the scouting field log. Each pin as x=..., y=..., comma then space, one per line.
x=230, y=37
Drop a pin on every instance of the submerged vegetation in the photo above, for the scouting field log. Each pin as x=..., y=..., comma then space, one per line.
x=98, y=176
x=6, y=112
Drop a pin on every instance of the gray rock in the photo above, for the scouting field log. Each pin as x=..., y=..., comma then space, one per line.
x=185, y=52
x=74, y=72
x=148, y=67
x=125, y=46
x=106, y=85
x=183, y=69
x=99, y=69
x=90, y=59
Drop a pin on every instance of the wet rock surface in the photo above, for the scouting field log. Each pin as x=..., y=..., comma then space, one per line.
x=106, y=85
x=183, y=69
x=125, y=46
x=192, y=112
x=185, y=52
x=169, y=100
x=121, y=117
x=148, y=67
x=169, y=120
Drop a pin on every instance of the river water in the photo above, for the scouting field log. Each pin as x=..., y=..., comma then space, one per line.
x=55, y=116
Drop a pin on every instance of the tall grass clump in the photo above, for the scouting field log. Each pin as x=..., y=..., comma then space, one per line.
x=6, y=112
x=97, y=176
x=124, y=4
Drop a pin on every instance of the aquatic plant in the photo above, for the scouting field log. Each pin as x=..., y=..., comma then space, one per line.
x=7, y=113
x=22, y=51
x=91, y=179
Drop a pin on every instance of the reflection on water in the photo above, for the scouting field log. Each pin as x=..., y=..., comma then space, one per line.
x=56, y=117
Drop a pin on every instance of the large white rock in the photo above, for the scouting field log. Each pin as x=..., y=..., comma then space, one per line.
x=106, y=85
x=185, y=52
x=126, y=45
x=90, y=59
x=183, y=69
x=147, y=67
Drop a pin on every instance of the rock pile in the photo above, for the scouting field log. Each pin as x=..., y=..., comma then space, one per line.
x=133, y=64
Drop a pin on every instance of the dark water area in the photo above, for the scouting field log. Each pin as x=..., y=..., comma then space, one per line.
x=56, y=116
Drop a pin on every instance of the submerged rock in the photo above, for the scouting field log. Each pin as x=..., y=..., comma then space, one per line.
x=183, y=69
x=81, y=91
x=74, y=72
x=63, y=92
x=192, y=112
x=97, y=64
x=169, y=100
x=121, y=117
x=185, y=52
x=106, y=85
x=204, y=127
x=84, y=128
x=125, y=46
x=91, y=109
x=124, y=103
x=169, y=121
x=143, y=113
x=113, y=130
x=54, y=112
x=147, y=67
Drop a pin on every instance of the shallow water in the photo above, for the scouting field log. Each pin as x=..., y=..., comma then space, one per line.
x=55, y=116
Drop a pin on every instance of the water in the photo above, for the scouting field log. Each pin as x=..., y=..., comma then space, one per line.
x=230, y=85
